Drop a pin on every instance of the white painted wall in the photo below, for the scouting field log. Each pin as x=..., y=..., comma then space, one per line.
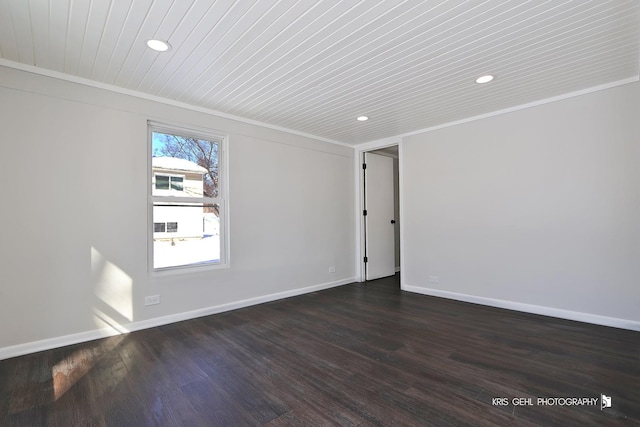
x=73, y=252
x=537, y=209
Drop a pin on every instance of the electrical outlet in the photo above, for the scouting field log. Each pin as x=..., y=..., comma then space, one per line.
x=152, y=300
x=434, y=279
x=332, y=269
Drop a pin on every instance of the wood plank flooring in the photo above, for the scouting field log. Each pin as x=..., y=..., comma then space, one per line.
x=358, y=355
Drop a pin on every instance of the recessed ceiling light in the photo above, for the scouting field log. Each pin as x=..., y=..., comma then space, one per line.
x=158, y=45
x=484, y=79
x=362, y=118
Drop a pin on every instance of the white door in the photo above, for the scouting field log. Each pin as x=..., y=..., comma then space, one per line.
x=379, y=220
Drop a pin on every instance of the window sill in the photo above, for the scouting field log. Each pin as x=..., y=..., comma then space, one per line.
x=188, y=269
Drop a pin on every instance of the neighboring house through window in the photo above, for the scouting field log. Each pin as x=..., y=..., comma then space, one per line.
x=187, y=198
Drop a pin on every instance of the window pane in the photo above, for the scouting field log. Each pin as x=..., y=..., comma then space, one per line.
x=195, y=158
x=176, y=183
x=192, y=234
x=162, y=182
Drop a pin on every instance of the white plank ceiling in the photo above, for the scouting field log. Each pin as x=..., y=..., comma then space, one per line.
x=314, y=66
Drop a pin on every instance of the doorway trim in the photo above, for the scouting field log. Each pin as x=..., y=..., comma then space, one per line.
x=359, y=150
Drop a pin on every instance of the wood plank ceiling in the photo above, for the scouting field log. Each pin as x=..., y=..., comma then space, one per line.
x=314, y=66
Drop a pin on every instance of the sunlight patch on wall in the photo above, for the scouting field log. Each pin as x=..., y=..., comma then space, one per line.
x=103, y=321
x=112, y=285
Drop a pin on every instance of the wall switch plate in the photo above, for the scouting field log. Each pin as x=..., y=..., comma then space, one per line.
x=434, y=279
x=332, y=269
x=152, y=300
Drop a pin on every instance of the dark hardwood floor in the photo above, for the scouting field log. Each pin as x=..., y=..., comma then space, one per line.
x=361, y=354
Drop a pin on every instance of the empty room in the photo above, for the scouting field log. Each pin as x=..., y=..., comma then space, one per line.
x=319, y=213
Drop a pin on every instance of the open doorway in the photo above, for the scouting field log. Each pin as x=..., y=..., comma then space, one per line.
x=381, y=213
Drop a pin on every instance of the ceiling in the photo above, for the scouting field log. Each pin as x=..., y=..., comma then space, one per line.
x=314, y=66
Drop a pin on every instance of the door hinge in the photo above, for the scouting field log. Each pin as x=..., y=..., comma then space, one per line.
x=364, y=166
x=364, y=212
x=366, y=259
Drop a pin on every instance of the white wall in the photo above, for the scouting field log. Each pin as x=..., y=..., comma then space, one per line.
x=537, y=209
x=73, y=252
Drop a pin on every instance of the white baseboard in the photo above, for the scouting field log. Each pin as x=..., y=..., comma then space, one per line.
x=49, y=343
x=528, y=308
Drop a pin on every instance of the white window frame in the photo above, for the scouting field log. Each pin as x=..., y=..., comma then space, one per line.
x=222, y=200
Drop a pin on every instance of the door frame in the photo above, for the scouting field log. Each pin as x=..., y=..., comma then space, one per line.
x=359, y=202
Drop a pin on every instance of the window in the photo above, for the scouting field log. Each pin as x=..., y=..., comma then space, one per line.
x=164, y=182
x=187, y=198
x=162, y=227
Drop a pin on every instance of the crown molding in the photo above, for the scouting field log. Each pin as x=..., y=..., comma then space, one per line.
x=104, y=86
x=387, y=141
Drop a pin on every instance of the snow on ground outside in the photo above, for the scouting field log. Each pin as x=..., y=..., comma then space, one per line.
x=186, y=252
